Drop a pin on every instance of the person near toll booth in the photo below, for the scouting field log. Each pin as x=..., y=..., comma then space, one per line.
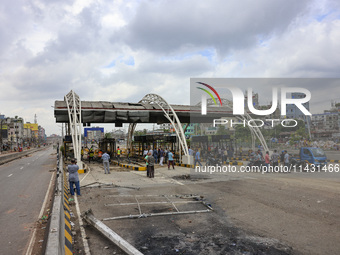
x=106, y=162
x=170, y=160
x=118, y=154
x=73, y=177
x=91, y=154
x=151, y=163
x=147, y=164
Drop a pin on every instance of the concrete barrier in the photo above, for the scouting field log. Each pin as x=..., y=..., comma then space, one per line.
x=7, y=158
x=59, y=240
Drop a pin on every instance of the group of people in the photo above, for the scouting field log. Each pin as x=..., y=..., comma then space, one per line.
x=151, y=158
x=257, y=158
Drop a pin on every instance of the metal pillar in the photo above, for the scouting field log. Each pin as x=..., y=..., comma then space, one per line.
x=169, y=113
x=74, y=114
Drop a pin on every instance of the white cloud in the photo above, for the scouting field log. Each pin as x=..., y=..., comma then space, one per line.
x=122, y=50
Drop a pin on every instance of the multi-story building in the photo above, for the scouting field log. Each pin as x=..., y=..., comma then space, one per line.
x=293, y=112
x=35, y=132
x=325, y=121
x=27, y=138
x=15, y=132
x=41, y=134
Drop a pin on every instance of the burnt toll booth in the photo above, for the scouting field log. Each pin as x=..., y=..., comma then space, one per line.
x=143, y=142
x=108, y=145
x=222, y=141
x=68, y=146
x=200, y=141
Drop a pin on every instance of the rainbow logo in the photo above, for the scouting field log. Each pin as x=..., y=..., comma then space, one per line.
x=209, y=93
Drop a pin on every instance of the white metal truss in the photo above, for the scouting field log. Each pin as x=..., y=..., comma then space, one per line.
x=169, y=113
x=255, y=131
x=74, y=114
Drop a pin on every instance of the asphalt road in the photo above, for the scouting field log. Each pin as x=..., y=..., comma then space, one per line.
x=23, y=185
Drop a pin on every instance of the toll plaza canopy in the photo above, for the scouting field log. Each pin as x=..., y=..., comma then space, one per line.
x=112, y=112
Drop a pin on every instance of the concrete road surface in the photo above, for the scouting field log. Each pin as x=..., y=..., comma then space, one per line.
x=23, y=185
x=254, y=213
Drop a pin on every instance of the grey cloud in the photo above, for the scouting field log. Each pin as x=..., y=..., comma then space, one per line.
x=167, y=26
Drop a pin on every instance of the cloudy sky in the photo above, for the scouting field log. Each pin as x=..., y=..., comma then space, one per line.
x=122, y=50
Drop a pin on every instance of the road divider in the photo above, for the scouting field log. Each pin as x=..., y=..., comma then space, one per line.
x=60, y=236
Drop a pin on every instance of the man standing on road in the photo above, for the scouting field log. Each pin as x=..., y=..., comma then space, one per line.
x=275, y=158
x=266, y=159
x=106, y=162
x=147, y=164
x=151, y=163
x=282, y=158
x=170, y=160
x=73, y=177
x=191, y=151
x=91, y=154
x=286, y=159
x=118, y=154
x=155, y=155
x=161, y=155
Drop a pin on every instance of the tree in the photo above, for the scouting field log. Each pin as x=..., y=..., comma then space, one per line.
x=222, y=130
x=108, y=135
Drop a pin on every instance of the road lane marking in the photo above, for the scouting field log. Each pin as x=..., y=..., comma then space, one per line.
x=33, y=237
x=10, y=175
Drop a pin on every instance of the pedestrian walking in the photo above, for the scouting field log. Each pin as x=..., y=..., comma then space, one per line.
x=170, y=160
x=151, y=163
x=106, y=163
x=73, y=177
x=197, y=158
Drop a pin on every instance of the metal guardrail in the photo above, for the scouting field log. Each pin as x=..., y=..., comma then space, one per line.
x=59, y=237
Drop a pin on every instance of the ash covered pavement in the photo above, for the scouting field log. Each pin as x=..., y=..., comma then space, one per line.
x=234, y=226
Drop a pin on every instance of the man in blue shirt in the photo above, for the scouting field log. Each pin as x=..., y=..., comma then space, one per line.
x=73, y=177
x=170, y=160
x=106, y=162
x=197, y=158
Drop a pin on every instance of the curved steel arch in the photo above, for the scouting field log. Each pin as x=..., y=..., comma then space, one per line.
x=74, y=114
x=169, y=113
x=255, y=131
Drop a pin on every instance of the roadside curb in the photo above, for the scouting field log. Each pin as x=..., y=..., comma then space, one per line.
x=136, y=168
